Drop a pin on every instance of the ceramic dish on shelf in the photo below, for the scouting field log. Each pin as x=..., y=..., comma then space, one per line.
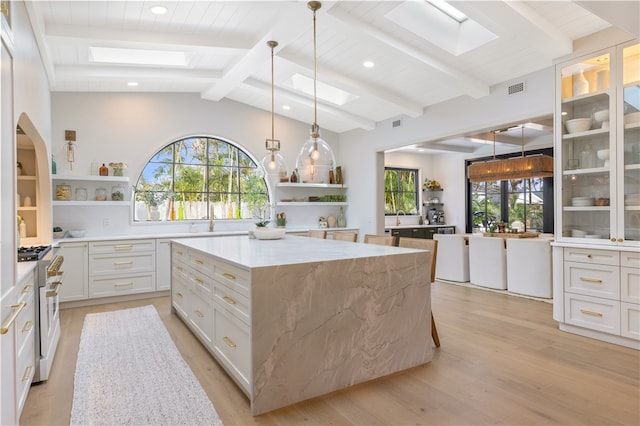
x=593, y=236
x=600, y=116
x=578, y=125
x=582, y=201
x=269, y=233
x=632, y=118
x=578, y=233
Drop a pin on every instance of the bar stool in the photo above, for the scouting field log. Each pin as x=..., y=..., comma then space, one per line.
x=432, y=246
x=382, y=240
x=453, y=261
x=315, y=233
x=529, y=267
x=345, y=236
x=488, y=262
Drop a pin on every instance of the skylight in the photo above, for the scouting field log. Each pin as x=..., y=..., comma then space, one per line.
x=326, y=92
x=137, y=56
x=448, y=10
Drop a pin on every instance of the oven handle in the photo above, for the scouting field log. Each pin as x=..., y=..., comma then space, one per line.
x=54, y=289
x=16, y=311
x=54, y=266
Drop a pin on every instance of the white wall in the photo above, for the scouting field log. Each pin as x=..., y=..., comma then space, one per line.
x=451, y=118
x=131, y=127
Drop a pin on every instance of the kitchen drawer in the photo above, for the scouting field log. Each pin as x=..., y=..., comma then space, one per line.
x=233, y=346
x=125, y=284
x=201, y=318
x=592, y=280
x=201, y=262
x=599, y=257
x=201, y=284
x=593, y=313
x=180, y=269
x=179, y=253
x=630, y=285
x=25, y=370
x=25, y=323
x=233, y=302
x=234, y=277
x=179, y=294
x=630, y=259
x=630, y=320
x=110, y=264
x=121, y=246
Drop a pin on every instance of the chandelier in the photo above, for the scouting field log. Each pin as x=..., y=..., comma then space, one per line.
x=515, y=168
x=273, y=163
x=316, y=158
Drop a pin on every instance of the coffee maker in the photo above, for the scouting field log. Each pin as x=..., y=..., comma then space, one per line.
x=435, y=216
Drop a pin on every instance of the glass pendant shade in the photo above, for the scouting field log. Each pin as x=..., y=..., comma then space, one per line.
x=315, y=160
x=275, y=167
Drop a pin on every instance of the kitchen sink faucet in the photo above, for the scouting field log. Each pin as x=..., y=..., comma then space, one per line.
x=398, y=217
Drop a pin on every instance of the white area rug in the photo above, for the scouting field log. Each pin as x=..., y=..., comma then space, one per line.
x=129, y=372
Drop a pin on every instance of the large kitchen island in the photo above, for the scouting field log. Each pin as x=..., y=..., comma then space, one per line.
x=299, y=317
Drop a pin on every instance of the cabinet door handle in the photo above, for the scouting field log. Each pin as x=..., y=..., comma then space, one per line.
x=27, y=288
x=229, y=342
x=16, y=311
x=122, y=246
x=54, y=289
x=123, y=262
x=27, y=326
x=123, y=284
x=179, y=294
x=179, y=252
x=229, y=300
x=592, y=313
x=613, y=239
x=179, y=268
x=199, y=281
x=27, y=373
x=198, y=261
x=228, y=275
x=591, y=280
x=199, y=313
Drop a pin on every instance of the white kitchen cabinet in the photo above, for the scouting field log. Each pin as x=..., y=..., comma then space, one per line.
x=291, y=197
x=163, y=264
x=598, y=167
x=25, y=341
x=91, y=184
x=75, y=285
x=121, y=267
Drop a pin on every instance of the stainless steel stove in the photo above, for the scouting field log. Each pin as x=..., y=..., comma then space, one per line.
x=26, y=254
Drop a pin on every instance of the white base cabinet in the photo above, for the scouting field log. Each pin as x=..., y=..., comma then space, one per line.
x=76, y=264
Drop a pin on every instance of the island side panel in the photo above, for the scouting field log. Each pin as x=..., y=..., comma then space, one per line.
x=323, y=326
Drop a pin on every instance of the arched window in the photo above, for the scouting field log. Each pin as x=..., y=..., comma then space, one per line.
x=196, y=177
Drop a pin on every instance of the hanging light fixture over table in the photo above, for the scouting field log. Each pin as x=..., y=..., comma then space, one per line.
x=524, y=167
x=316, y=158
x=273, y=163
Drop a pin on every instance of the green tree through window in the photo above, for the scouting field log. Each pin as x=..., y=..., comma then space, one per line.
x=400, y=190
x=195, y=177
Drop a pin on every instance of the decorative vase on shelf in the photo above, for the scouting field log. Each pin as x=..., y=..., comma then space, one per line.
x=141, y=211
x=580, y=85
x=342, y=221
x=331, y=221
x=154, y=214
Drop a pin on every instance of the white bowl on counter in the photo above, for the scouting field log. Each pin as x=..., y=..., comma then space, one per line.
x=578, y=125
x=269, y=233
x=77, y=233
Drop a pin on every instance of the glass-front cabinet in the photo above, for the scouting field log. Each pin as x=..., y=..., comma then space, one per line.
x=598, y=148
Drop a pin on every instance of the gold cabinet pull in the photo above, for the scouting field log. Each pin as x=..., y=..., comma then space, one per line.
x=228, y=275
x=123, y=262
x=16, y=311
x=123, y=284
x=591, y=280
x=592, y=313
x=613, y=239
x=179, y=268
x=199, y=313
x=27, y=373
x=620, y=240
x=229, y=342
x=27, y=326
x=179, y=294
x=54, y=289
x=122, y=246
x=229, y=300
x=179, y=252
x=198, y=261
x=3, y=9
x=27, y=288
x=199, y=281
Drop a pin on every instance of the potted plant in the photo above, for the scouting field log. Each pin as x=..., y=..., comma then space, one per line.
x=153, y=199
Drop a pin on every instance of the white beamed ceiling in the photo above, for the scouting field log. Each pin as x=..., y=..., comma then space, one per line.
x=228, y=56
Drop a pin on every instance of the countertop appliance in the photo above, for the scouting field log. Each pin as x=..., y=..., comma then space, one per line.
x=48, y=279
x=435, y=216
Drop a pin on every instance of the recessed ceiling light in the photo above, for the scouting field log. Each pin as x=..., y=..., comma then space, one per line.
x=137, y=56
x=158, y=10
x=132, y=83
x=368, y=64
x=286, y=107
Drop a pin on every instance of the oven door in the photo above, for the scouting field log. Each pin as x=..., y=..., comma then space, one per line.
x=49, y=322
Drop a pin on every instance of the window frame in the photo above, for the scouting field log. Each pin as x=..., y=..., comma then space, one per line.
x=417, y=187
x=207, y=195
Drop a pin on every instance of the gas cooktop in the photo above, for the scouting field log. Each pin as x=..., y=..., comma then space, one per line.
x=26, y=254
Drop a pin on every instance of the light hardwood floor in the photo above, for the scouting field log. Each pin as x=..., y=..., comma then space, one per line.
x=502, y=361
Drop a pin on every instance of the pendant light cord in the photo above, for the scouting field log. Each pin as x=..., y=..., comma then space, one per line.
x=315, y=76
x=272, y=96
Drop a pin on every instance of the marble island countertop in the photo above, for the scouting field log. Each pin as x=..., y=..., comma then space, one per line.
x=401, y=226
x=291, y=249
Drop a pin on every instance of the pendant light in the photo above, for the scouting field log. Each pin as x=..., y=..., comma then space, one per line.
x=316, y=158
x=514, y=168
x=273, y=163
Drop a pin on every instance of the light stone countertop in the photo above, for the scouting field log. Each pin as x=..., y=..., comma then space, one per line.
x=417, y=226
x=23, y=269
x=253, y=253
